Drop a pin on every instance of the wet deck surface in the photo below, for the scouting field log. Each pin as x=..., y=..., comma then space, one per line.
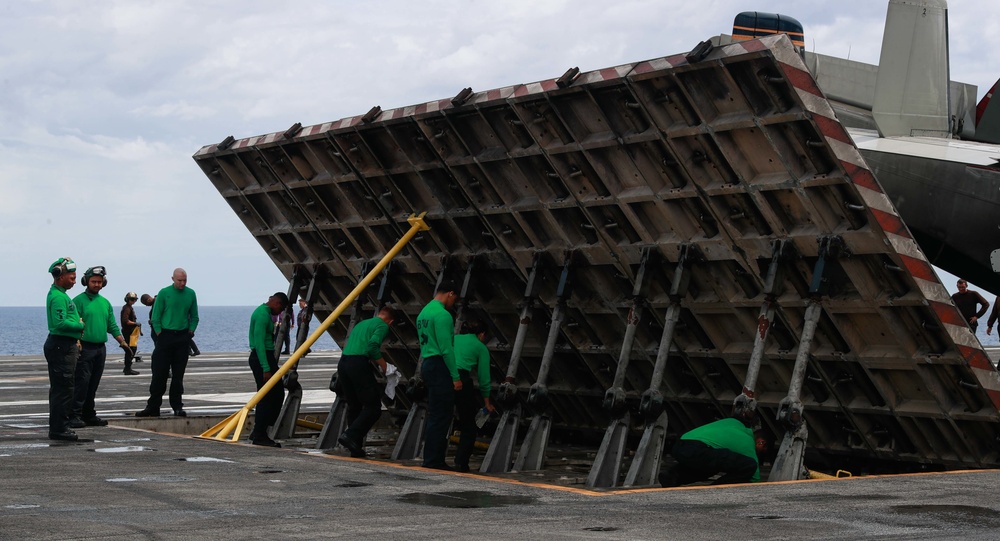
x=133, y=483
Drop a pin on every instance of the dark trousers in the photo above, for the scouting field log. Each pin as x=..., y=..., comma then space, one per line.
x=129, y=352
x=358, y=387
x=269, y=407
x=129, y=356
x=302, y=334
x=170, y=356
x=89, y=369
x=440, y=409
x=60, y=356
x=468, y=402
x=697, y=462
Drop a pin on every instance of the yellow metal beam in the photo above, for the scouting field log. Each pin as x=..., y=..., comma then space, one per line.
x=309, y=424
x=234, y=423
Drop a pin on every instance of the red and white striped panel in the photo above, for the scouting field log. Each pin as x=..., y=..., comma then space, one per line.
x=492, y=95
x=412, y=110
x=606, y=74
x=315, y=129
x=882, y=209
x=659, y=64
x=535, y=88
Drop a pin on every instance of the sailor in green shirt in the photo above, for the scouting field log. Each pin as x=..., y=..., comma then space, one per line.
x=61, y=347
x=264, y=363
x=361, y=356
x=99, y=322
x=173, y=321
x=471, y=357
x=725, y=446
x=435, y=331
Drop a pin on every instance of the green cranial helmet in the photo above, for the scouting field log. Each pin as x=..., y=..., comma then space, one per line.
x=94, y=271
x=62, y=266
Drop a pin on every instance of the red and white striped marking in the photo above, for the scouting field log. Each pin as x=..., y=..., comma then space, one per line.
x=881, y=208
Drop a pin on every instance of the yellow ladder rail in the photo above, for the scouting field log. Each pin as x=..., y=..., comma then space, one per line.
x=234, y=423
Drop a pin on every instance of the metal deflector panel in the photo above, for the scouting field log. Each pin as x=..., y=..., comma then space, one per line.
x=604, y=170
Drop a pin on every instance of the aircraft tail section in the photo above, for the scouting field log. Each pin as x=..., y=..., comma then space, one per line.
x=988, y=118
x=911, y=90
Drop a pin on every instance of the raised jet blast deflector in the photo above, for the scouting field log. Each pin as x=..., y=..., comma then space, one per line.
x=647, y=193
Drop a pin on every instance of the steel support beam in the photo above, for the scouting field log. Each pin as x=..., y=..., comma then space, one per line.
x=788, y=465
x=410, y=443
x=357, y=313
x=336, y=423
x=745, y=405
x=311, y=292
x=532, y=453
x=285, y=322
x=648, y=456
x=497, y=459
x=651, y=402
x=646, y=464
x=284, y=428
x=464, y=296
x=608, y=461
x=498, y=456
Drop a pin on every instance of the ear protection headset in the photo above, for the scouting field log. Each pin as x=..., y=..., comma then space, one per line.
x=94, y=271
x=62, y=266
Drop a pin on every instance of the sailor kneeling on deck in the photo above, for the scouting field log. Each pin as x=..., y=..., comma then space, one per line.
x=726, y=446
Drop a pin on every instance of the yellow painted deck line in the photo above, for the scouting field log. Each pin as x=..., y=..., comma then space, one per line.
x=559, y=488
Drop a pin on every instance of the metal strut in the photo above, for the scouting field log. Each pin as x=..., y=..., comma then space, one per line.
x=607, y=463
x=303, y=333
x=360, y=302
x=411, y=438
x=464, y=296
x=284, y=427
x=532, y=453
x=646, y=464
x=336, y=421
x=498, y=456
x=788, y=465
x=745, y=405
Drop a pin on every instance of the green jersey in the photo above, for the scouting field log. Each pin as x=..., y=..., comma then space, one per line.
x=63, y=317
x=366, y=338
x=175, y=310
x=262, y=334
x=436, y=330
x=472, y=355
x=729, y=434
x=98, y=318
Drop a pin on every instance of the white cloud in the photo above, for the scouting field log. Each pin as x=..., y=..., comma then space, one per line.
x=102, y=104
x=179, y=109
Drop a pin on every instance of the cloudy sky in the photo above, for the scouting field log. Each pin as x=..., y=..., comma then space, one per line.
x=102, y=104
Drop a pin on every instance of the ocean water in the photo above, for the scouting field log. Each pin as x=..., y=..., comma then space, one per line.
x=220, y=329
